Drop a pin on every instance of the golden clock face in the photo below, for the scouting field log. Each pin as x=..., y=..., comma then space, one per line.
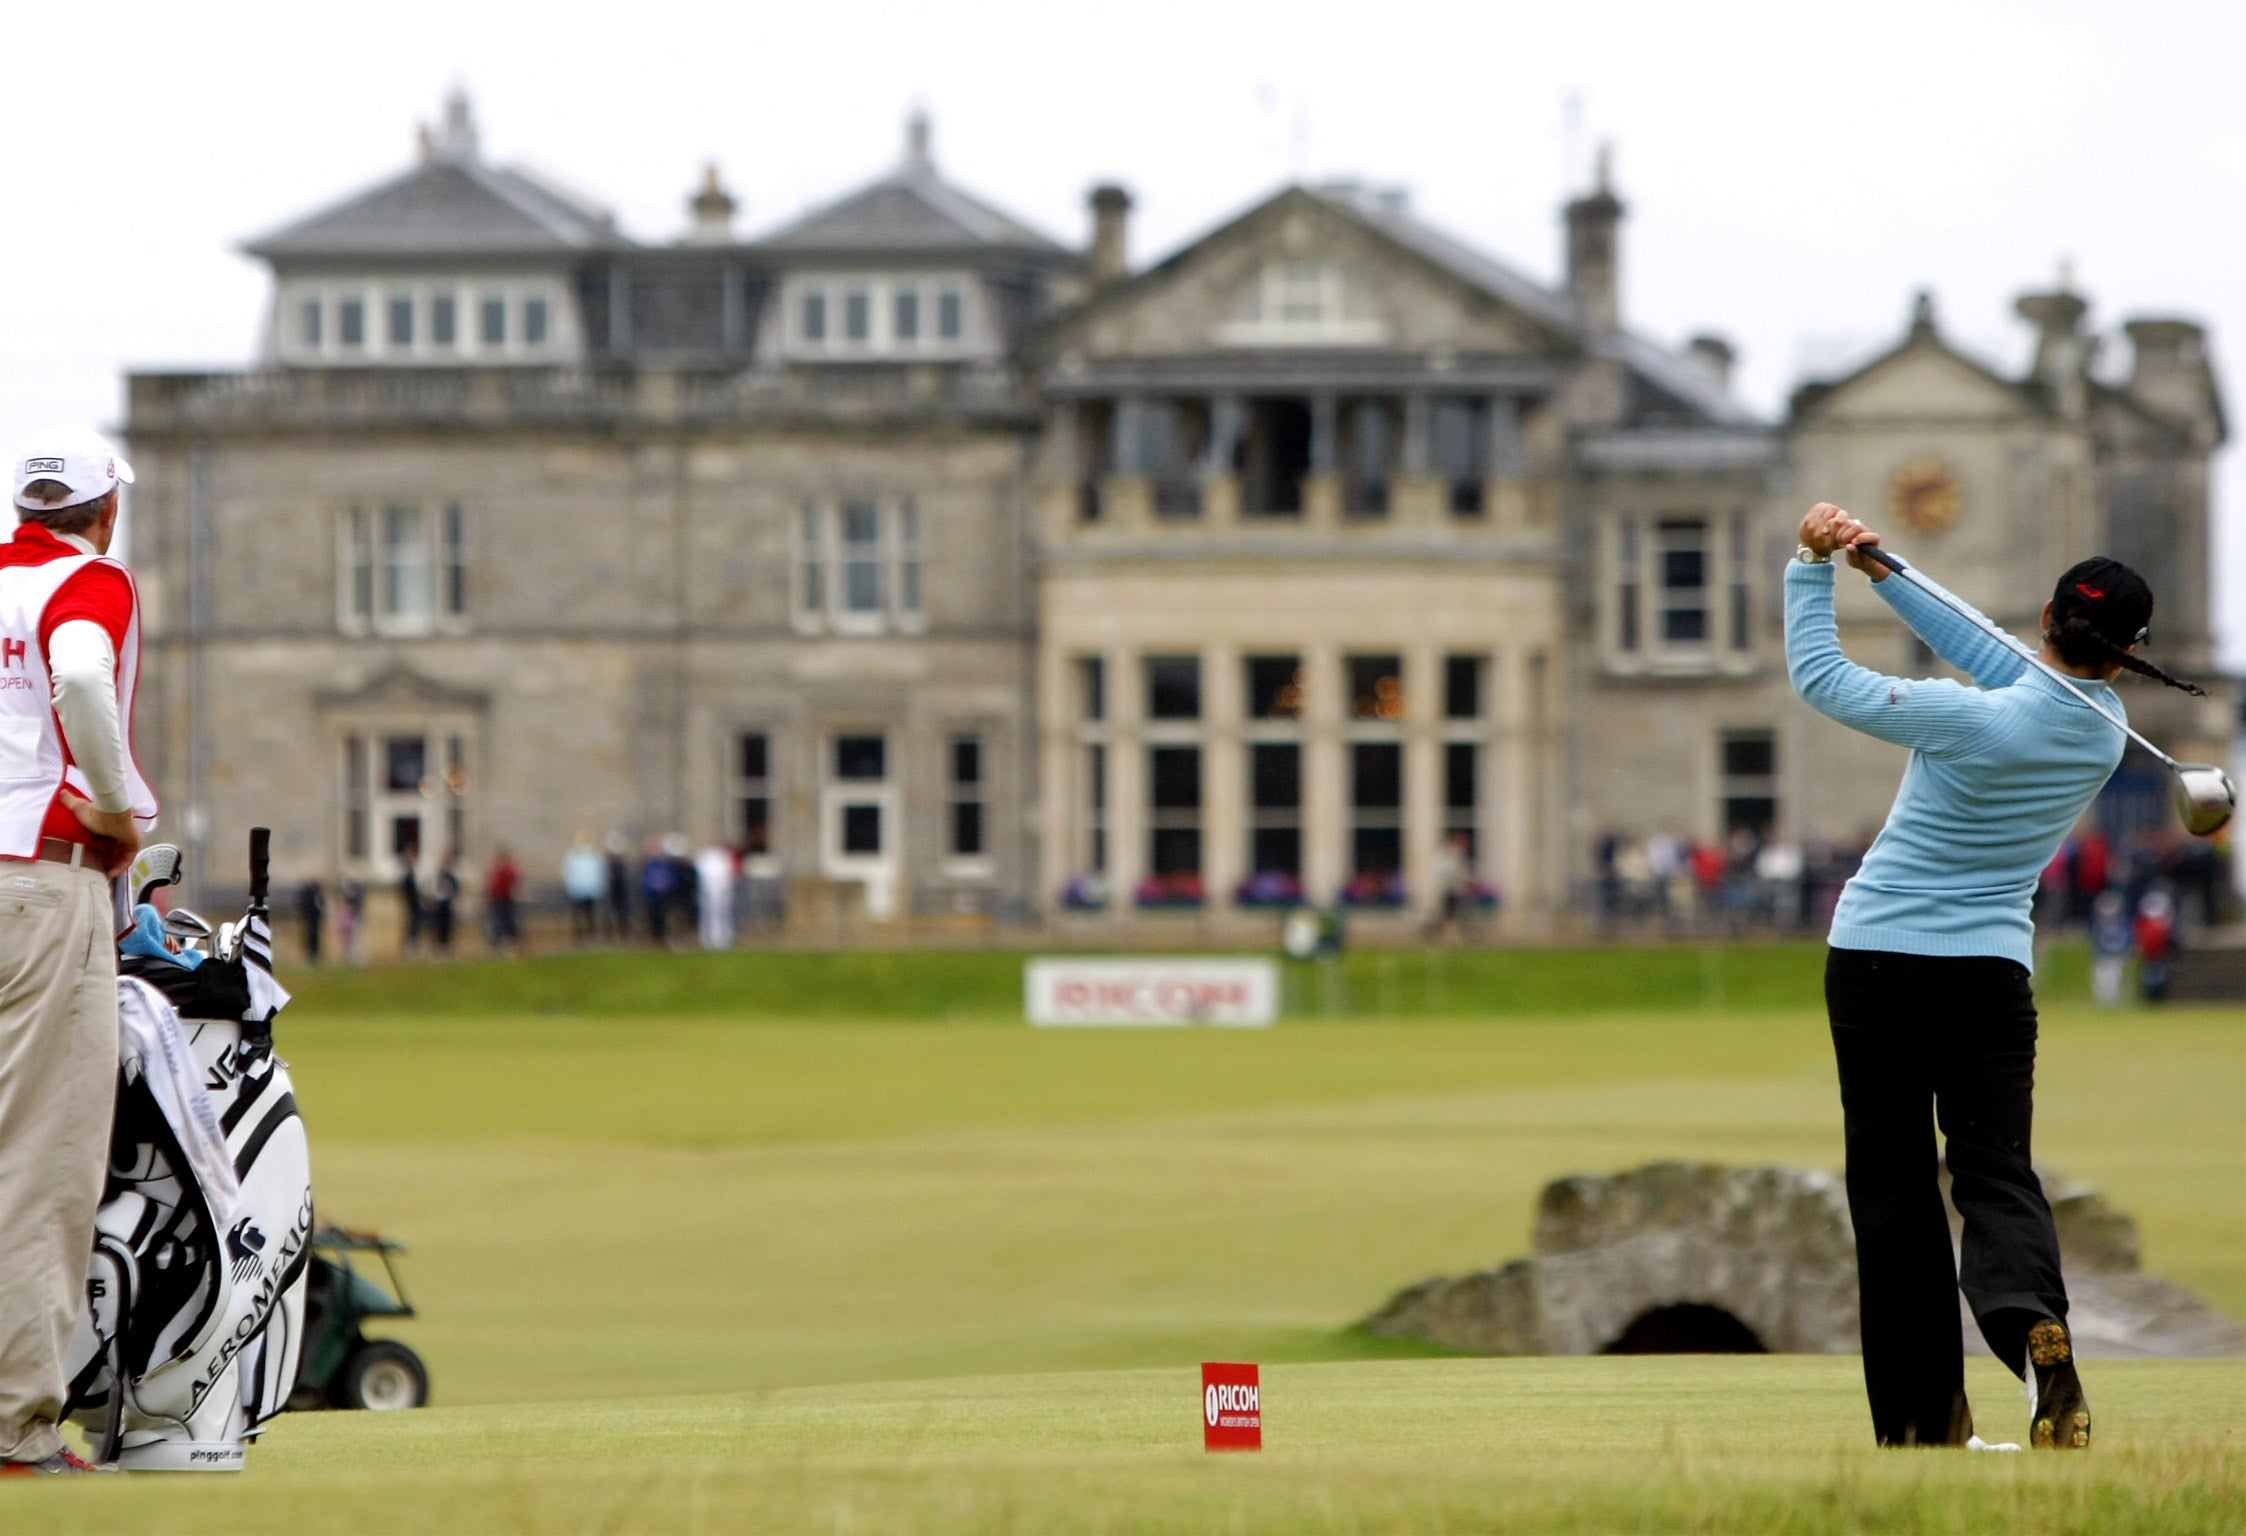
x=1924, y=497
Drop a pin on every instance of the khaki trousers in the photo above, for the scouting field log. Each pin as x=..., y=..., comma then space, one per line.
x=58, y=1091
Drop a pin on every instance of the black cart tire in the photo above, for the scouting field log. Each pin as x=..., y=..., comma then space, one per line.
x=382, y=1375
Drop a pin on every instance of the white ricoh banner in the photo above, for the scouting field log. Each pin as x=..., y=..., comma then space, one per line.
x=1234, y=993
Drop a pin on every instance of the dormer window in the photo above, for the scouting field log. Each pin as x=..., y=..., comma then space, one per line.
x=871, y=317
x=443, y=318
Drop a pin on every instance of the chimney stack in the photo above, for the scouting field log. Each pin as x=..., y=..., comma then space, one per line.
x=1715, y=357
x=1111, y=213
x=2169, y=374
x=712, y=209
x=454, y=140
x=2062, y=350
x=1593, y=253
x=919, y=156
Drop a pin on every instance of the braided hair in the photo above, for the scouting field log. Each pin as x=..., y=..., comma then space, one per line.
x=2098, y=611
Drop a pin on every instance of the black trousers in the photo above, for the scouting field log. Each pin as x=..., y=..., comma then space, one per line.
x=1924, y=1041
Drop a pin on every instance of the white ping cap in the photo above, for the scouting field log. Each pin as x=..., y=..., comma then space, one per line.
x=85, y=461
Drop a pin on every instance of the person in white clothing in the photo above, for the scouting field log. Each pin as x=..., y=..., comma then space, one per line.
x=716, y=868
x=73, y=809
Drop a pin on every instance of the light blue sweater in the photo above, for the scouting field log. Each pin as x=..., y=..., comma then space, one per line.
x=1998, y=775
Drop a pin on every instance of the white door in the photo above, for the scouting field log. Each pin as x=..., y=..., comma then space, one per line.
x=859, y=835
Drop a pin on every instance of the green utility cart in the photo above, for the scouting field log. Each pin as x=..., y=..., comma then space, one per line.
x=340, y=1367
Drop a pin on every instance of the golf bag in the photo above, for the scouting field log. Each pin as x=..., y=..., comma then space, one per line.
x=195, y=1292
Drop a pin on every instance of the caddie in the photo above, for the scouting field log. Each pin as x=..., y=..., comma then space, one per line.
x=73, y=809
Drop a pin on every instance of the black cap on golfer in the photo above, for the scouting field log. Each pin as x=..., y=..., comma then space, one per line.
x=2114, y=600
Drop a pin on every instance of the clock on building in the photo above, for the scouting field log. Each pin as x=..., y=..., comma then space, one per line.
x=1924, y=497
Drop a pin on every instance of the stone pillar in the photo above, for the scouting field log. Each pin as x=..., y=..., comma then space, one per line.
x=1129, y=436
x=1059, y=776
x=1507, y=491
x=1220, y=476
x=1128, y=497
x=1417, y=496
x=1418, y=446
x=1553, y=832
x=1325, y=789
x=1224, y=776
x=1509, y=816
x=1060, y=495
x=1423, y=772
x=1126, y=781
x=1321, y=486
x=619, y=309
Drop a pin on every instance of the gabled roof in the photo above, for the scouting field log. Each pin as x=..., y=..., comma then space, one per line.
x=449, y=205
x=911, y=210
x=1391, y=218
x=1922, y=333
x=1673, y=375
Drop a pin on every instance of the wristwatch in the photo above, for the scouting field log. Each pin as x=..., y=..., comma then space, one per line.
x=1808, y=556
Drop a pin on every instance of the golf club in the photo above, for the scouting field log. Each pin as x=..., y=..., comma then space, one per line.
x=2205, y=796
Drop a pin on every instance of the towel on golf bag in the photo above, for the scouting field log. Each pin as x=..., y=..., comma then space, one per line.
x=153, y=1052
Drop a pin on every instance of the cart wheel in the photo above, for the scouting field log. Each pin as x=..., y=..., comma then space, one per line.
x=382, y=1375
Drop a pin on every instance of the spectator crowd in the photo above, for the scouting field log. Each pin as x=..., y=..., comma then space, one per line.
x=2134, y=899
x=668, y=896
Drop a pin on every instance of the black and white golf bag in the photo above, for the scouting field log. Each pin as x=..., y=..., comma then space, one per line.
x=195, y=1293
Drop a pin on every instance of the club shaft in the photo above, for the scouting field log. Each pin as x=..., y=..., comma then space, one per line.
x=1895, y=564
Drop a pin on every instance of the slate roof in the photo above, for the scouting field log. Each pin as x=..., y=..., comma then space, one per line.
x=1395, y=220
x=453, y=206
x=910, y=210
x=1673, y=375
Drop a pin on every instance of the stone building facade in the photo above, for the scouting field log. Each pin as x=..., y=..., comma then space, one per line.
x=955, y=573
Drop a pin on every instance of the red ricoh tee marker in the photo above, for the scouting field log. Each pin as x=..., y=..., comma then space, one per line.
x=1231, y=1407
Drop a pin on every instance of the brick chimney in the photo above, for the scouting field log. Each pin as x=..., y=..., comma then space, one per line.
x=1111, y=216
x=1593, y=252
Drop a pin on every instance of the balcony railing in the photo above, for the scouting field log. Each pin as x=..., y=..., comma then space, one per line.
x=319, y=398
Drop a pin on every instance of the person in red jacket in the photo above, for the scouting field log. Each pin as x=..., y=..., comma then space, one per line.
x=502, y=925
x=73, y=808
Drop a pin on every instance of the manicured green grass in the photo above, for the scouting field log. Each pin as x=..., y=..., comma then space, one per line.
x=687, y=1272
x=1710, y=1444
x=854, y=985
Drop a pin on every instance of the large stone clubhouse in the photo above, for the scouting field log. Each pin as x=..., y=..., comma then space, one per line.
x=962, y=574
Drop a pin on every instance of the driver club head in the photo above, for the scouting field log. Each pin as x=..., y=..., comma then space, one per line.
x=2205, y=798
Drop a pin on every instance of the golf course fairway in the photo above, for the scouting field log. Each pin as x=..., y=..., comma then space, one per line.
x=698, y=1264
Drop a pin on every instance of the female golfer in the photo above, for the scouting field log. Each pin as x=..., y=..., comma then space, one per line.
x=1927, y=978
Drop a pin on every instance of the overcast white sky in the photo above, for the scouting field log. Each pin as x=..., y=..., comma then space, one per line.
x=1793, y=171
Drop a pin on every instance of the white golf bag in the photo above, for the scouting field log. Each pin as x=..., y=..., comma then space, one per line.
x=195, y=1293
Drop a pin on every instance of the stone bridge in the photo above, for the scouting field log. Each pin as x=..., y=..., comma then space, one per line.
x=1688, y=1258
